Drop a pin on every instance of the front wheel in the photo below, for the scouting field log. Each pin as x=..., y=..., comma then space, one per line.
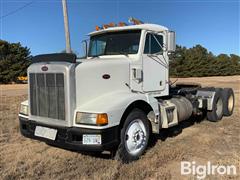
x=134, y=137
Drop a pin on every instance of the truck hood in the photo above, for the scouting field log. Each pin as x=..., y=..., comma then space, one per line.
x=98, y=77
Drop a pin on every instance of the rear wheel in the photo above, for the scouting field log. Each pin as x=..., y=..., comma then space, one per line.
x=228, y=101
x=134, y=137
x=216, y=113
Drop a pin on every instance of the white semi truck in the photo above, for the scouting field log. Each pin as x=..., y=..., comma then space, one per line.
x=117, y=96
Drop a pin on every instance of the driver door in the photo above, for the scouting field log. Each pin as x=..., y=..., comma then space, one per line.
x=155, y=65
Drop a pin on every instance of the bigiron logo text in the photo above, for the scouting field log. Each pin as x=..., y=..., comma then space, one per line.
x=201, y=171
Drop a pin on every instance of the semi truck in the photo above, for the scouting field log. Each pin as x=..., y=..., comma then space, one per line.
x=115, y=97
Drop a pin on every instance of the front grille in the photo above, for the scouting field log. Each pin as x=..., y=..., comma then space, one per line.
x=47, y=98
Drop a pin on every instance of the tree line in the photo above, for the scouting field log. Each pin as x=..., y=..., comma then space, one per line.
x=198, y=62
x=185, y=62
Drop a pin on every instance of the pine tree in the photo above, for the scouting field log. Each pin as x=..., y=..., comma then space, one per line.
x=14, y=60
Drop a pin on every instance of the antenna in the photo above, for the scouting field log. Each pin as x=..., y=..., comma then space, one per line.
x=135, y=21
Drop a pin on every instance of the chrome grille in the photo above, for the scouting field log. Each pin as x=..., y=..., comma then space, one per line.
x=47, y=98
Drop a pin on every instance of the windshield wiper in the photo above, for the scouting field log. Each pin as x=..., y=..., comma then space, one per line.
x=92, y=57
x=96, y=56
x=123, y=53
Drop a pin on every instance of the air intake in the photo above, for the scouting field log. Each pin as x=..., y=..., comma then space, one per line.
x=47, y=98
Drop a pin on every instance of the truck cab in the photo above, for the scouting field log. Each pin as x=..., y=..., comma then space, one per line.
x=115, y=97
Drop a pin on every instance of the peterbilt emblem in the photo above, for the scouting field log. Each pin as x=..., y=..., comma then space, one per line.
x=44, y=68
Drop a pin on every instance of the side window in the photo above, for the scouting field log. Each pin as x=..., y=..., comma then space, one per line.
x=147, y=44
x=156, y=43
x=153, y=44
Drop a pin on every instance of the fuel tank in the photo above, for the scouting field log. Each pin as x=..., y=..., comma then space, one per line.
x=184, y=107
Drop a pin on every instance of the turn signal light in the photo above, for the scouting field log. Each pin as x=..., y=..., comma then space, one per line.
x=102, y=119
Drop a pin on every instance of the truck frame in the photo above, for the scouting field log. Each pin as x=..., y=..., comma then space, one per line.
x=115, y=97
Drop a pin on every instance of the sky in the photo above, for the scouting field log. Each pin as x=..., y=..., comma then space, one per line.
x=213, y=24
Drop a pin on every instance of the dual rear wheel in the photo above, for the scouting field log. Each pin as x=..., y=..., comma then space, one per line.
x=222, y=105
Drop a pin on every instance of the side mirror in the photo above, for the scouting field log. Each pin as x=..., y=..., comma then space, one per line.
x=171, y=41
x=85, y=48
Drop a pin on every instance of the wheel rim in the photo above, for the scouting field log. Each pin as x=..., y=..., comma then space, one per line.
x=230, y=103
x=219, y=106
x=135, y=137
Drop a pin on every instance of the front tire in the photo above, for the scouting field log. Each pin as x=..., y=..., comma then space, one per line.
x=134, y=137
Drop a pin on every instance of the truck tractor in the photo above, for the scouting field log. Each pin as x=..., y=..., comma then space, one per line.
x=115, y=97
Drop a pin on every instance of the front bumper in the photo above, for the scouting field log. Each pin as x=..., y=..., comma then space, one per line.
x=71, y=137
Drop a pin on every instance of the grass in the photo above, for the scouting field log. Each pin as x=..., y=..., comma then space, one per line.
x=22, y=158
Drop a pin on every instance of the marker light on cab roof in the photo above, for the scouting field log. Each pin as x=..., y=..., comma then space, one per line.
x=120, y=24
x=97, y=28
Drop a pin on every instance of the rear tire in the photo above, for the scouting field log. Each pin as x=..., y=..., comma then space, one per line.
x=134, y=137
x=216, y=113
x=228, y=101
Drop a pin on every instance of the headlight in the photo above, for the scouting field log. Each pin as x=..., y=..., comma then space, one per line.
x=91, y=118
x=24, y=109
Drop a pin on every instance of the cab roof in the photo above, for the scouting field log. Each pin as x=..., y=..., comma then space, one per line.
x=150, y=27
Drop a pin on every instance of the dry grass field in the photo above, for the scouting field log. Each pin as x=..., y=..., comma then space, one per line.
x=22, y=158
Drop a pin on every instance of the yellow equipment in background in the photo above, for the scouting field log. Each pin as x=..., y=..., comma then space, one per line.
x=22, y=79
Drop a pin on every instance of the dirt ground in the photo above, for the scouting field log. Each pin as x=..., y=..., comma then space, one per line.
x=219, y=143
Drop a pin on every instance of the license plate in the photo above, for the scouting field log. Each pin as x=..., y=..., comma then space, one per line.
x=45, y=132
x=92, y=139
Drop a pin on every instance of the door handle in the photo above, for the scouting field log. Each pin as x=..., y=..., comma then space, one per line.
x=137, y=74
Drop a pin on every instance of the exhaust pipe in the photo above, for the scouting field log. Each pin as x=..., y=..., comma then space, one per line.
x=66, y=27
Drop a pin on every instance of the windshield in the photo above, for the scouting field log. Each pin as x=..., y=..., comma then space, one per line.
x=115, y=43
